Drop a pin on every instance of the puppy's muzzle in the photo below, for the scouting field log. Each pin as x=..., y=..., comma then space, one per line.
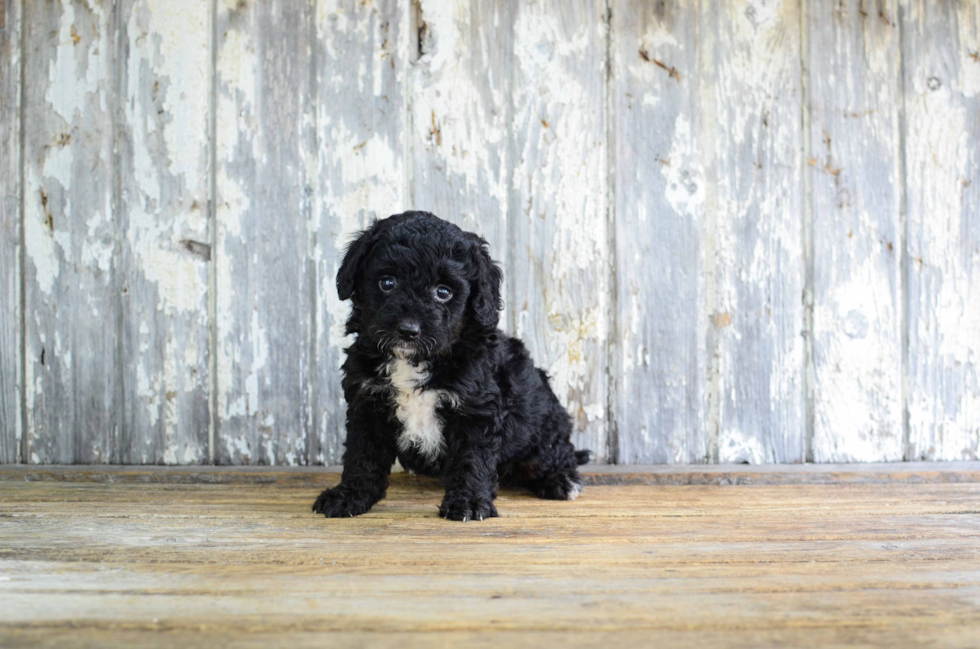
x=409, y=330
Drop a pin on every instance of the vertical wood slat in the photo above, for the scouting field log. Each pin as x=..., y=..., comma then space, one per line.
x=70, y=237
x=10, y=221
x=460, y=115
x=261, y=258
x=854, y=83
x=557, y=204
x=751, y=103
x=659, y=193
x=361, y=74
x=163, y=151
x=941, y=50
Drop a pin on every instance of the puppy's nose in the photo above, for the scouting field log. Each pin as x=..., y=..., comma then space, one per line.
x=409, y=329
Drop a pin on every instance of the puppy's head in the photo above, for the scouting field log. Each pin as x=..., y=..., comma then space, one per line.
x=418, y=284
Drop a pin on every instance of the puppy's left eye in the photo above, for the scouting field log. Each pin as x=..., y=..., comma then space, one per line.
x=443, y=294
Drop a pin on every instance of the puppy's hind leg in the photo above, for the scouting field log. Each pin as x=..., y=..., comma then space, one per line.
x=564, y=484
x=555, y=475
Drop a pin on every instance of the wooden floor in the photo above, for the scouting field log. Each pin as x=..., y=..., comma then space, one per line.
x=154, y=557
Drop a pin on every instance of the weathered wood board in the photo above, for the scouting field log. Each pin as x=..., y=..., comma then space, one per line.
x=10, y=232
x=751, y=105
x=693, y=566
x=164, y=68
x=853, y=66
x=72, y=388
x=659, y=363
x=264, y=186
x=361, y=62
x=557, y=205
x=941, y=50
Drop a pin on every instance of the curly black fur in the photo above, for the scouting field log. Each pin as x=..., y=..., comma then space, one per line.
x=433, y=382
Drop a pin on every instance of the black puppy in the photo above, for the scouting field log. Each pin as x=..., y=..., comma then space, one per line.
x=432, y=381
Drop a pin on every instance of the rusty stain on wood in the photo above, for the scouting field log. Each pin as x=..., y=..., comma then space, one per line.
x=721, y=320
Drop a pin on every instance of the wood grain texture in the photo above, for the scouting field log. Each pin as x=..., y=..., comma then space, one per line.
x=660, y=355
x=854, y=90
x=578, y=638
x=941, y=50
x=557, y=205
x=752, y=104
x=10, y=233
x=461, y=114
x=726, y=566
x=73, y=392
x=165, y=74
x=264, y=184
x=362, y=60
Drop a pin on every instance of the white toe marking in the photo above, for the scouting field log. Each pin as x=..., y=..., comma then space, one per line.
x=574, y=489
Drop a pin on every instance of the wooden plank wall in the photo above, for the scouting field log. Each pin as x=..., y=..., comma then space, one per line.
x=731, y=231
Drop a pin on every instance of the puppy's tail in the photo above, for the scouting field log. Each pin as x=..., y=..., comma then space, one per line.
x=583, y=457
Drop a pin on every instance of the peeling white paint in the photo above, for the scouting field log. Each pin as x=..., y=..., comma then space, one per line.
x=179, y=30
x=75, y=71
x=683, y=173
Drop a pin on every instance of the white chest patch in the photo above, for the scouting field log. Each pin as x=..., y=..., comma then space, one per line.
x=416, y=409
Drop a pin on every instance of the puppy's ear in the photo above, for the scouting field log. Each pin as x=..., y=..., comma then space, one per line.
x=486, y=287
x=353, y=262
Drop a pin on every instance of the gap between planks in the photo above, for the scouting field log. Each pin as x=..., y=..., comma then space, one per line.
x=660, y=475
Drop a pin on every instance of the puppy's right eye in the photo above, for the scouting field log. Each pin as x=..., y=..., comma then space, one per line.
x=387, y=284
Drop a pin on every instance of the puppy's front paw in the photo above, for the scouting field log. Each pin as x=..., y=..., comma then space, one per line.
x=339, y=503
x=466, y=507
